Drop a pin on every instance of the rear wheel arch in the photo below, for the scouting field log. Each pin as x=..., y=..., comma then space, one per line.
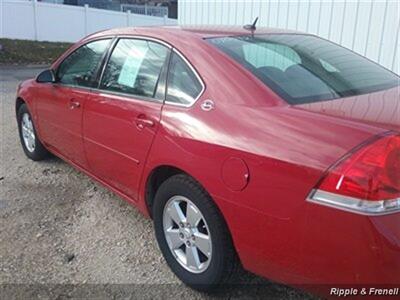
x=159, y=175
x=154, y=180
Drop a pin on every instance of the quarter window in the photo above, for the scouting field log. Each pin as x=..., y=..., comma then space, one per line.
x=135, y=67
x=80, y=68
x=183, y=87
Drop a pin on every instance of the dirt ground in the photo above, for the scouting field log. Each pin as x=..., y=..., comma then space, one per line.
x=62, y=235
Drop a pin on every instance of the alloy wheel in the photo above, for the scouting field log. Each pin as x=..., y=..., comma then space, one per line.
x=28, y=133
x=187, y=234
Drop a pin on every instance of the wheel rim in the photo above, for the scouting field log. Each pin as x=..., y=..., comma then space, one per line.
x=28, y=133
x=187, y=234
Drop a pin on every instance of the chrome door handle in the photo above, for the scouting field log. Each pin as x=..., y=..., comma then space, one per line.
x=142, y=121
x=146, y=122
x=74, y=104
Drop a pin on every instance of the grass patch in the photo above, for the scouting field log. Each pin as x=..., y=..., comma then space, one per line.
x=30, y=52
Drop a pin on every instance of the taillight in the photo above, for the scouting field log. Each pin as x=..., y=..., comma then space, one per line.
x=365, y=181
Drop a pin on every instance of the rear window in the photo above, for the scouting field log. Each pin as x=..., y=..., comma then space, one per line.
x=305, y=69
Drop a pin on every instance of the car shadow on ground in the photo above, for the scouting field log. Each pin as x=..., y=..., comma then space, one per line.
x=244, y=285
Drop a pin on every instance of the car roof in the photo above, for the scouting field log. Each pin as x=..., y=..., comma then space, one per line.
x=199, y=32
x=211, y=31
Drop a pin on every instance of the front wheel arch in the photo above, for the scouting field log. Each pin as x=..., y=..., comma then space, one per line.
x=28, y=135
x=18, y=103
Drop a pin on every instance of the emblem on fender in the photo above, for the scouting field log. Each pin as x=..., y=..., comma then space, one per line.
x=207, y=105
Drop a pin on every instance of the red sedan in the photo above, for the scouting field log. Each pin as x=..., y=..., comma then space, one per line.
x=276, y=150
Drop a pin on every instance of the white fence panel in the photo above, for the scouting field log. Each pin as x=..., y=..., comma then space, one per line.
x=54, y=22
x=33, y=20
x=11, y=14
x=369, y=27
x=100, y=19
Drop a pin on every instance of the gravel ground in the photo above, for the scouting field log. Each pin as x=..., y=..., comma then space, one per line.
x=62, y=235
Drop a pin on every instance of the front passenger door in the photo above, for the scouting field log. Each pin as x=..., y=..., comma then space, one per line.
x=60, y=105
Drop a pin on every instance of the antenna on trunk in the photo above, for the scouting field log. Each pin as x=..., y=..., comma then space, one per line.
x=251, y=27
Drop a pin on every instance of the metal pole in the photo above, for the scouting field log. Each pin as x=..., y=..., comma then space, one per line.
x=86, y=18
x=35, y=20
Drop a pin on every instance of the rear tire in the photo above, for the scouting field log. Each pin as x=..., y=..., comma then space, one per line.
x=30, y=142
x=217, y=261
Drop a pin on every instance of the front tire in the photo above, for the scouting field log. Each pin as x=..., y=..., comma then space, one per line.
x=30, y=142
x=192, y=234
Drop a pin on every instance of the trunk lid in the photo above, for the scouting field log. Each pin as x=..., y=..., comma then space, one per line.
x=380, y=109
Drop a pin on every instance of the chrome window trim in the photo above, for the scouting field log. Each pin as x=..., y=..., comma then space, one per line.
x=125, y=95
x=203, y=87
x=143, y=37
x=114, y=41
x=354, y=205
x=101, y=92
x=106, y=58
x=72, y=86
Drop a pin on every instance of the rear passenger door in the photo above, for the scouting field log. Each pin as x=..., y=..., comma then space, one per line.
x=122, y=114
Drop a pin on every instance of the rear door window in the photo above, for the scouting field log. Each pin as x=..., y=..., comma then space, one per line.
x=135, y=67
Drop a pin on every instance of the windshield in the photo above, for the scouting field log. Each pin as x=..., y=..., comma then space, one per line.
x=304, y=68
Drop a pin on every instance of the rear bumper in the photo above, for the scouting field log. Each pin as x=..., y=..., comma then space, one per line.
x=318, y=247
x=345, y=248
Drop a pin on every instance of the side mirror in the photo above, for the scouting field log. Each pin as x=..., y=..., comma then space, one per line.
x=47, y=76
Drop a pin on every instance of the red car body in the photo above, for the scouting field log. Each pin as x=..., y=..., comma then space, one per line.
x=257, y=156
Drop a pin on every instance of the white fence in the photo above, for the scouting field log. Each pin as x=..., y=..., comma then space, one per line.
x=158, y=11
x=368, y=27
x=33, y=20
